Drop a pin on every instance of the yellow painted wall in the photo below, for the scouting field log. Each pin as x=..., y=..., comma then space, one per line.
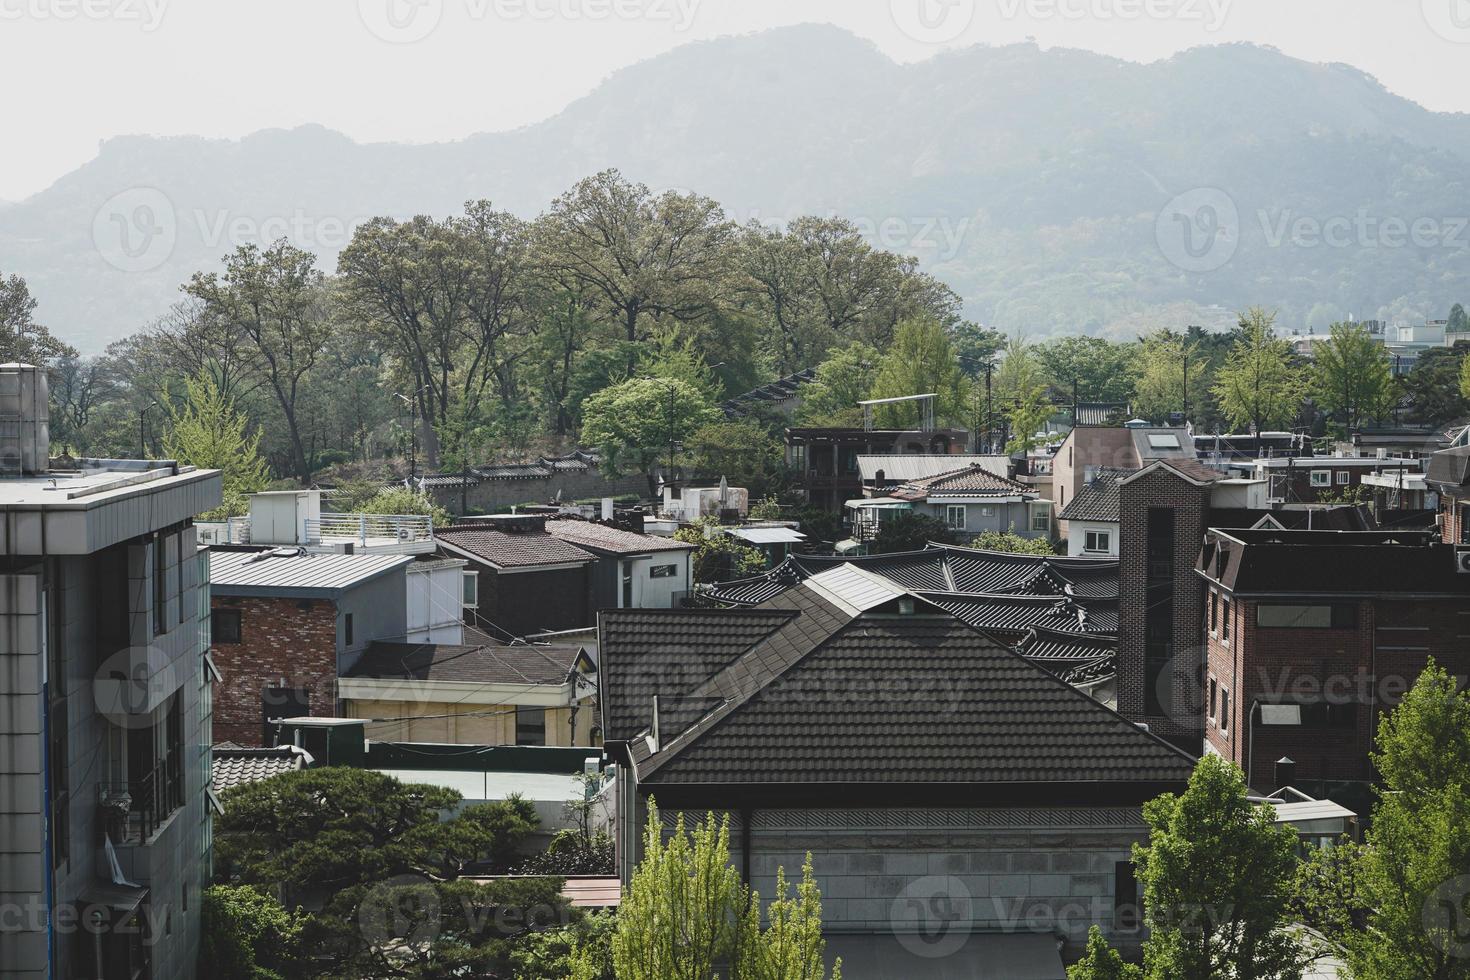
x=467, y=724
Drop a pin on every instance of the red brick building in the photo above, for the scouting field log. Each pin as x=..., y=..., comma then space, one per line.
x=285, y=624
x=1311, y=635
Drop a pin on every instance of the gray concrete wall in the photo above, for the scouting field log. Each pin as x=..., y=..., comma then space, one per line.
x=948, y=872
x=379, y=609
x=172, y=864
x=491, y=495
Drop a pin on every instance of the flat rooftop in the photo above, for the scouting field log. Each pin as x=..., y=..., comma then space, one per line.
x=96, y=482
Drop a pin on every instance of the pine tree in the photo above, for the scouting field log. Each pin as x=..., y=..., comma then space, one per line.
x=209, y=433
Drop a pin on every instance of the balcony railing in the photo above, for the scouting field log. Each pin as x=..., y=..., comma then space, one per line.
x=372, y=532
x=134, y=810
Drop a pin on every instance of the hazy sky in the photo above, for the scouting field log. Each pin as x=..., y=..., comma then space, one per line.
x=78, y=71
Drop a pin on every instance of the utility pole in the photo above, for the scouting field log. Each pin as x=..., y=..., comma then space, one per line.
x=1184, y=352
x=143, y=431
x=989, y=413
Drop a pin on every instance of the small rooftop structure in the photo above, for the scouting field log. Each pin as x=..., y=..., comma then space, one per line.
x=605, y=539
x=781, y=393
x=892, y=468
x=926, y=409
x=971, y=482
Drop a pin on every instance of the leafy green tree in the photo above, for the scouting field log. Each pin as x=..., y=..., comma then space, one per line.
x=1258, y=386
x=1012, y=542
x=248, y=935
x=642, y=256
x=1096, y=369
x=1022, y=394
x=1432, y=386
x=742, y=451
x=842, y=380
x=1101, y=962
x=911, y=531
x=635, y=423
x=687, y=914
x=403, y=500
x=385, y=871
x=1161, y=369
x=208, y=432
x=921, y=360
x=671, y=353
x=719, y=557
x=21, y=337
x=276, y=298
x=1217, y=874
x=1350, y=375
x=1459, y=321
x=976, y=346
x=1415, y=867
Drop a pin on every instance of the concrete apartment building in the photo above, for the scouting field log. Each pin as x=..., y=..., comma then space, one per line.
x=105, y=706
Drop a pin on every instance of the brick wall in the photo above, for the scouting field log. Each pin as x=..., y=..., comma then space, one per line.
x=1371, y=664
x=1162, y=488
x=290, y=639
x=1452, y=523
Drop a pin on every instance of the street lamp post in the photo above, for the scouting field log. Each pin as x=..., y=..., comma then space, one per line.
x=412, y=401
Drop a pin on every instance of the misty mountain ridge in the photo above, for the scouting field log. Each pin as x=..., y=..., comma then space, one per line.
x=1038, y=184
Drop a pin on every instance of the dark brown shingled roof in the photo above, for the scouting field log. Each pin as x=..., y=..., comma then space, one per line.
x=667, y=652
x=957, y=708
x=517, y=549
x=613, y=540
x=1098, y=498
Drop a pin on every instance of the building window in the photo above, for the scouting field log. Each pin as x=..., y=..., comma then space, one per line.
x=472, y=590
x=1342, y=478
x=160, y=584
x=1339, y=615
x=987, y=511
x=1097, y=541
x=1214, y=612
x=663, y=571
x=1125, y=897
x=1321, y=478
x=1214, y=698
x=530, y=725
x=347, y=630
x=1041, y=521
x=224, y=626
x=627, y=585
x=954, y=516
x=1225, y=620
x=1224, y=715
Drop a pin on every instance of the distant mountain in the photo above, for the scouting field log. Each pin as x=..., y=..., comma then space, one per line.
x=1037, y=183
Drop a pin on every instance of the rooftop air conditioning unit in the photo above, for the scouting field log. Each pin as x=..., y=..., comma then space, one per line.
x=1462, y=561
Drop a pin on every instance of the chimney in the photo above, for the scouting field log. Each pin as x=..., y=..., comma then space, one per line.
x=25, y=437
x=1285, y=772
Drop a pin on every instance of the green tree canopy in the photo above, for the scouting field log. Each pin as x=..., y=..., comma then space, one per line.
x=1217, y=874
x=1101, y=962
x=208, y=432
x=1415, y=867
x=1350, y=375
x=911, y=531
x=21, y=337
x=719, y=557
x=842, y=380
x=1095, y=369
x=1160, y=369
x=741, y=450
x=921, y=360
x=1433, y=385
x=1021, y=394
x=635, y=422
x=687, y=914
x=384, y=871
x=1258, y=386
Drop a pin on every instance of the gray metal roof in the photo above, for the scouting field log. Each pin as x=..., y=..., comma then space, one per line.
x=287, y=572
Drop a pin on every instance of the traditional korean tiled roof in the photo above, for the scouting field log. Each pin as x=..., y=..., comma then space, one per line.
x=773, y=391
x=972, y=481
x=233, y=765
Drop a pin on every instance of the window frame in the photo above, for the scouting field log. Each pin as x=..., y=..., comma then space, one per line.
x=1091, y=540
x=949, y=511
x=663, y=571
x=528, y=710
x=216, y=636
x=1320, y=479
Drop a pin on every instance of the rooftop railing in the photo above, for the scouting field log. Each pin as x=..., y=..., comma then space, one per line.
x=372, y=532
